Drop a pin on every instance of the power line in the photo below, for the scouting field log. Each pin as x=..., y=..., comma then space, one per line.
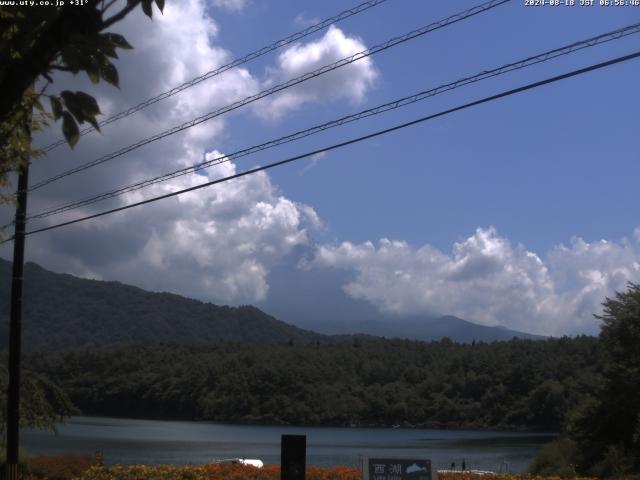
x=507, y=93
x=529, y=61
x=290, y=83
x=235, y=63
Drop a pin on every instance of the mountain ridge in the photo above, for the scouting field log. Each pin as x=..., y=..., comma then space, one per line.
x=63, y=312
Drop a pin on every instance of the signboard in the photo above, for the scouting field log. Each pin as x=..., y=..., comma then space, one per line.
x=396, y=469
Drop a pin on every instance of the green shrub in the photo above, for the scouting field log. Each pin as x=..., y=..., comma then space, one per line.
x=555, y=459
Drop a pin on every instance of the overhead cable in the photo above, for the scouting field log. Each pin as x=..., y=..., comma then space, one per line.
x=485, y=74
x=235, y=63
x=507, y=93
x=277, y=88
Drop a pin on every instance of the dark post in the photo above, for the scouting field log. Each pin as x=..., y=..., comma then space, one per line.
x=15, y=327
x=293, y=457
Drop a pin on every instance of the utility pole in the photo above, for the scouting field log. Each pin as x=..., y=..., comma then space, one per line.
x=15, y=327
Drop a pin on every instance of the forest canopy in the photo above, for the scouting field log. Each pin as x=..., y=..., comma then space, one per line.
x=519, y=384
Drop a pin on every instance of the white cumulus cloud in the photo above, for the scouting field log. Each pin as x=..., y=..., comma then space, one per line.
x=350, y=82
x=218, y=243
x=488, y=280
x=226, y=238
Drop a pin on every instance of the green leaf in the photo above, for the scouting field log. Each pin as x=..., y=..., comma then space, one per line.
x=87, y=103
x=118, y=41
x=71, y=103
x=110, y=74
x=106, y=46
x=89, y=108
x=160, y=4
x=82, y=105
x=93, y=70
x=93, y=122
x=70, y=129
x=146, y=7
x=56, y=107
x=70, y=58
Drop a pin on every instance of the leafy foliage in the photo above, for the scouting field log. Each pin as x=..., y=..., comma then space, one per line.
x=605, y=425
x=556, y=459
x=607, y=428
x=43, y=403
x=382, y=382
x=35, y=43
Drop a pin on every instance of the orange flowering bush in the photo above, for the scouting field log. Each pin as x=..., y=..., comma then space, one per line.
x=212, y=472
x=81, y=467
x=61, y=467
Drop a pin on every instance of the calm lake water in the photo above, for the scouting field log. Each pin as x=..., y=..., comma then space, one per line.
x=127, y=441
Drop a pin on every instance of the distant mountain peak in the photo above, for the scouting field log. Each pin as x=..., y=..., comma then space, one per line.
x=425, y=328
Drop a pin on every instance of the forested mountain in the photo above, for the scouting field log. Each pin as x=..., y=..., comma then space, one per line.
x=62, y=312
x=516, y=384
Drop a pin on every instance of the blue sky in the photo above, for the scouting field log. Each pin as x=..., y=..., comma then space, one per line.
x=520, y=212
x=541, y=167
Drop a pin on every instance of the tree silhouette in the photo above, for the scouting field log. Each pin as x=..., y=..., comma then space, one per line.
x=36, y=42
x=606, y=427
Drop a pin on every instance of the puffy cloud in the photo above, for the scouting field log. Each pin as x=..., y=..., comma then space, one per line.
x=157, y=63
x=585, y=273
x=350, y=82
x=221, y=243
x=218, y=243
x=231, y=5
x=487, y=279
x=226, y=238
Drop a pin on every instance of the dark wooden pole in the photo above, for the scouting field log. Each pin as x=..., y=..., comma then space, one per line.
x=293, y=457
x=15, y=327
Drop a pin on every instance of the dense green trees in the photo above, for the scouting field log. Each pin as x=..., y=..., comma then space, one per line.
x=516, y=384
x=602, y=431
x=606, y=425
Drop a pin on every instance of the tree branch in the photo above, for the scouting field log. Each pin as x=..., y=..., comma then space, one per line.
x=120, y=15
x=108, y=5
x=61, y=68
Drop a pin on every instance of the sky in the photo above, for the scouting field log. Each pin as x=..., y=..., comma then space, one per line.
x=519, y=212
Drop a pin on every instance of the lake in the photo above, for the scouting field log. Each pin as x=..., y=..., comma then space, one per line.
x=128, y=441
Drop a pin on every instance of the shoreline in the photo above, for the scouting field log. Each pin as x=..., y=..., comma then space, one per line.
x=406, y=426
